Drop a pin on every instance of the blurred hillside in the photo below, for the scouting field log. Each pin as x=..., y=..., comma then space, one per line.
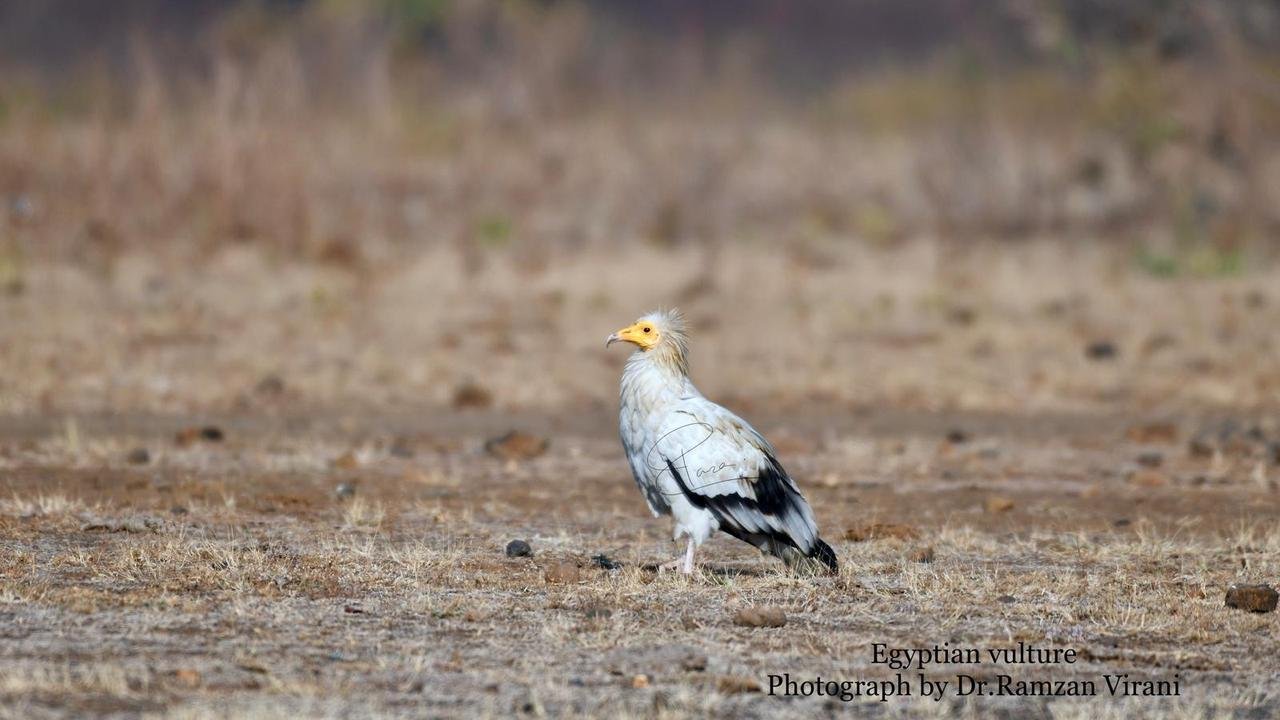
x=351, y=132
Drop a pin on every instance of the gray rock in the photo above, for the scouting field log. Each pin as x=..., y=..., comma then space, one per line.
x=1254, y=598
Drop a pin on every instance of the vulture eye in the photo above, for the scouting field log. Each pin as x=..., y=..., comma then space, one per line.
x=648, y=329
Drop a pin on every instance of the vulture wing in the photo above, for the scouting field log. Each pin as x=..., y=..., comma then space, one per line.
x=720, y=463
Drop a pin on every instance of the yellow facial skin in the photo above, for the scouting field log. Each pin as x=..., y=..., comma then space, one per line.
x=642, y=334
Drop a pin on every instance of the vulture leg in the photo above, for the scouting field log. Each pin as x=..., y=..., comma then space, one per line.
x=685, y=565
x=688, y=559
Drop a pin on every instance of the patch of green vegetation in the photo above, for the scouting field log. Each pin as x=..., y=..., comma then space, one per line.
x=1134, y=101
x=12, y=277
x=1156, y=264
x=1212, y=261
x=1199, y=261
x=494, y=231
x=876, y=223
x=326, y=302
x=409, y=19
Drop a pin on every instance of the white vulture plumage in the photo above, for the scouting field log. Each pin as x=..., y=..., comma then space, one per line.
x=700, y=463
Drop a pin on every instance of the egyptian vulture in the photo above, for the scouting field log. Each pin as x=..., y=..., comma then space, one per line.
x=702, y=464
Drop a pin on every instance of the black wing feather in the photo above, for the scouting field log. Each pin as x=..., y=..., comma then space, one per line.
x=774, y=497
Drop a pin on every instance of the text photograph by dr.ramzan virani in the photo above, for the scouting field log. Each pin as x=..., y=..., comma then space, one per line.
x=562, y=358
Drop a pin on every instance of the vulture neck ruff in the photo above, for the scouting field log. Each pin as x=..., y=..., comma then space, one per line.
x=652, y=377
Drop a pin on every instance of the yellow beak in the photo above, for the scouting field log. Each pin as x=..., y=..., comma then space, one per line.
x=632, y=334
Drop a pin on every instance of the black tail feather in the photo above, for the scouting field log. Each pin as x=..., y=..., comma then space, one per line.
x=823, y=553
x=774, y=501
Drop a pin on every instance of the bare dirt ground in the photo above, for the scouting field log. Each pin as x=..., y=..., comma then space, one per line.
x=257, y=491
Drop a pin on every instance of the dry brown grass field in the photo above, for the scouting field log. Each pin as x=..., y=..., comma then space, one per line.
x=271, y=303
x=332, y=545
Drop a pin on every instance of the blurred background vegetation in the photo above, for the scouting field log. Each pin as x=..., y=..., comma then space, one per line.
x=355, y=132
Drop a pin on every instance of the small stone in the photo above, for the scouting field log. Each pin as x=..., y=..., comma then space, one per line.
x=401, y=447
x=1200, y=446
x=1155, y=433
x=1006, y=599
x=1148, y=478
x=955, y=436
x=640, y=681
x=1101, y=350
x=760, y=616
x=962, y=315
x=880, y=531
x=737, y=685
x=1157, y=343
x=565, y=573
x=693, y=662
x=923, y=555
x=345, y=490
x=252, y=666
x=188, y=436
x=471, y=395
x=605, y=562
x=828, y=480
x=1254, y=598
x=998, y=504
x=345, y=461
x=516, y=445
x=139, y=456
x=178, y=510
x=1151, y=459
x=270, y=386
x=341, y=251
x=519, y=548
